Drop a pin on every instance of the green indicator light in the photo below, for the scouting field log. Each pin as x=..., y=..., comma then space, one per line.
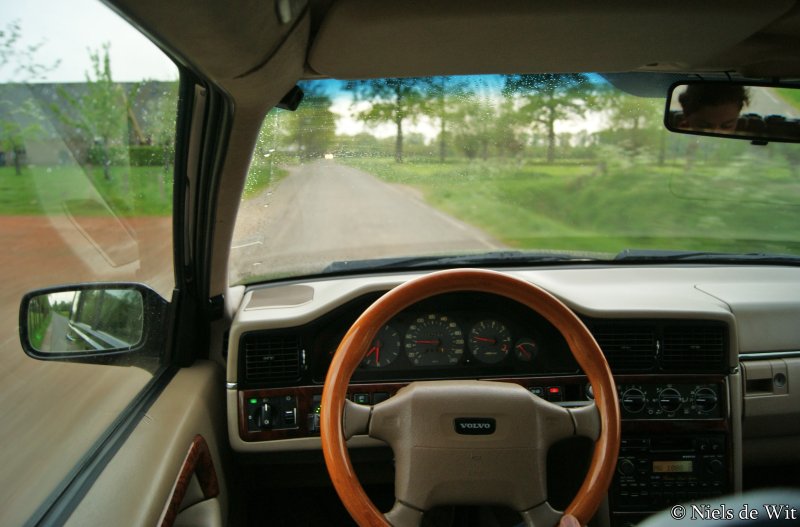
x=253, y=401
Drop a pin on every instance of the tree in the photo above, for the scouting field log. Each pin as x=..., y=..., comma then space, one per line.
x=444, y=93
x=158, y=112
x=22, y=59
x=390, y=100
x=637, y=121
x=547, y=98
x=477, y=118
x=100, y=113
x=312, y=127
x=19, y=120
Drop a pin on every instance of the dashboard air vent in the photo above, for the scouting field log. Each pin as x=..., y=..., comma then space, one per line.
x=271, y=357
x=693, y=348
x=627, y=347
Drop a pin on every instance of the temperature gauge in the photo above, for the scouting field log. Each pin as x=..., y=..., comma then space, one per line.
x=525, y=349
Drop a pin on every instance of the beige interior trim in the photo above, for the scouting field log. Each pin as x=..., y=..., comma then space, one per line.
x=363, y=38
x=595, y=291
x=204, y=514
x=138, y=480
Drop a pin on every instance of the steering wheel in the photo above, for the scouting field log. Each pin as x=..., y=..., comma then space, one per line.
x=436, y=463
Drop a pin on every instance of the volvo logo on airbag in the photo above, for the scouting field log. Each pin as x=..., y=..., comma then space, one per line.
x=475, y=426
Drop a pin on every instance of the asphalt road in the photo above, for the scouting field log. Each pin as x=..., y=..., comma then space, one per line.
x=324, y=212
x=55, y=338
x=766, y=102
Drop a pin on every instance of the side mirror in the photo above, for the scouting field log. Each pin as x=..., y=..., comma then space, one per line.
x=756, y=112
x=90, y=321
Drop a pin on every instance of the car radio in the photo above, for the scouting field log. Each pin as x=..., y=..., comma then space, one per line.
x=655, y=472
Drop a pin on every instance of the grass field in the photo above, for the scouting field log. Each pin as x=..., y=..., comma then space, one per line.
x=134, y=191
x=745, y=206
x=792, y=96
x=260, y=177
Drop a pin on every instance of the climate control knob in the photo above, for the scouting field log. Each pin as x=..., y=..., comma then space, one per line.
x=669, y=399
x=715, y=466
x=705, y=400
x=633, y=400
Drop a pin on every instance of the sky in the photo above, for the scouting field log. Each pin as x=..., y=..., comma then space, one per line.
x=67, y=29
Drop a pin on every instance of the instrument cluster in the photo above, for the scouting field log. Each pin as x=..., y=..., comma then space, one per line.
x=458, y=335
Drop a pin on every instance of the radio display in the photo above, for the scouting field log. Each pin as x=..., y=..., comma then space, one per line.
x=672, y=466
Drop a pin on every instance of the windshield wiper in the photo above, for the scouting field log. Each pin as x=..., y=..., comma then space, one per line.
x=468, y=260
x=661, y=256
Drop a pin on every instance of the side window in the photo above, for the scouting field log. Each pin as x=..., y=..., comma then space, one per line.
x=87, y=136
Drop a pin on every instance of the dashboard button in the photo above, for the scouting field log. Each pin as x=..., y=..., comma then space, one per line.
x=361, y=398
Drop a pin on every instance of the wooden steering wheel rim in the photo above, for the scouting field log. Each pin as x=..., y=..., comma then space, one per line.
x=355, y=343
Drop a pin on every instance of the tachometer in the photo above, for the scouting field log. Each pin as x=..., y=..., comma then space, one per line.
x=385, y=348
x=434, y=340
x=489, y=341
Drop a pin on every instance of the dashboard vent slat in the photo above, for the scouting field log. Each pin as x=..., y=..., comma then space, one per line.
x=627, y=348
x=695, y=347
x=271, y=358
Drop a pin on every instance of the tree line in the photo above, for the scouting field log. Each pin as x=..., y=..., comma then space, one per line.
x=467, y=117
x=97, y=122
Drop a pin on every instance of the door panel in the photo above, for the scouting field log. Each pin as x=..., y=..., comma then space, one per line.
x=137, y=485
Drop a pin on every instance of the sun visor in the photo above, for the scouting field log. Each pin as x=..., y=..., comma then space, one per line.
x=364, y=38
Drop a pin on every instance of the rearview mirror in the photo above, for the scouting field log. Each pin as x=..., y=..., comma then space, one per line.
x=757, y=112
x=87, y=320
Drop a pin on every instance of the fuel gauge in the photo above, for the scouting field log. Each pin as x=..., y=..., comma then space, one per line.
x=384, y=349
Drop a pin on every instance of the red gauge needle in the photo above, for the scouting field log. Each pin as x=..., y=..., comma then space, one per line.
x=426, y=342
x=484, y=339
x=377, y=351
x=524, y=351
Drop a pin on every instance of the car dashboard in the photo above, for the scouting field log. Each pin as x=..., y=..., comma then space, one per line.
x=695, y=352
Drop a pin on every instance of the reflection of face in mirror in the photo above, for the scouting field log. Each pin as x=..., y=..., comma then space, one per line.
x=89, y=320
x=712, y=107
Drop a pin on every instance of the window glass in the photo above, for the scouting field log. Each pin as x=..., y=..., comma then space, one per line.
x=87, y=131
x=368, y=173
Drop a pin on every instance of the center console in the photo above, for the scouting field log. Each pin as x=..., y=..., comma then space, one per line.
x=676, y=445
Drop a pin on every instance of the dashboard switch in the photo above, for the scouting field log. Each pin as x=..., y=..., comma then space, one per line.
x=361, y=398
x=313, y=422
x=555, y=393
x=266, y=416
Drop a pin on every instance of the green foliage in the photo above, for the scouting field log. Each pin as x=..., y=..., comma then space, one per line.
x=550, y=97
x=149, y=156
x=100, y=114
x=260, y=178
x=312, y=128
x=158, y=111
x=391, y=100
x=114, y=155
x=583, y=206
x=19, y=123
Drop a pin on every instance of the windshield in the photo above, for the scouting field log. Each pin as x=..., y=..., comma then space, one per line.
x=488, y=167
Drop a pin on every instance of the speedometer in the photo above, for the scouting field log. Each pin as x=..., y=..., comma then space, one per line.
x=434, y=340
